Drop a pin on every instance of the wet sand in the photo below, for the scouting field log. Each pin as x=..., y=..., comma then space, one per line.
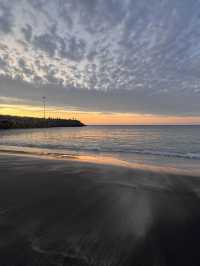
x=65, y=212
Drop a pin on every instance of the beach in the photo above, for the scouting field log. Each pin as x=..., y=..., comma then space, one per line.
x=74, y=212
x=99, y=133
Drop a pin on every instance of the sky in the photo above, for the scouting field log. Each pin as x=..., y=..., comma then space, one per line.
x=101, y=61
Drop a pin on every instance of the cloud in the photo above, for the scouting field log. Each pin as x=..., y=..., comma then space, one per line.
x=24, y=68
x=27, y=31
x=10, y=100
x=37, y=4
x=121, y=101
x=46, y=43
x=3, y=63
x=73, y=48
x=141, y=55
x=6, y=19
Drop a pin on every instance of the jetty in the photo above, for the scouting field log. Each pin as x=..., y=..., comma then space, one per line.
x=17, y=122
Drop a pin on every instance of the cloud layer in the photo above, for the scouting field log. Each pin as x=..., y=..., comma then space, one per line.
x=104, y=55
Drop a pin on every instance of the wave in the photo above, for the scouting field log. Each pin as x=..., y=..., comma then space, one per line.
x=190, y=155
x=108, y=150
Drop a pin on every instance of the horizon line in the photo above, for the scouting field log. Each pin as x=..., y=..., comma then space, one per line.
x=143, y=124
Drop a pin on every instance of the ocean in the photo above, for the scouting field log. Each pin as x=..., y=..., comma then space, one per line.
x=167, y=146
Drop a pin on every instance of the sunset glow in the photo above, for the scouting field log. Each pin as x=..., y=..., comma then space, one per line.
x=98, y=118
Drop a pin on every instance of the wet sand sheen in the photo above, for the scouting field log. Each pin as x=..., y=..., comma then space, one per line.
x=55, y=212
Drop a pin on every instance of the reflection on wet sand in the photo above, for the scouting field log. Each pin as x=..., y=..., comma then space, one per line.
x=73, y=213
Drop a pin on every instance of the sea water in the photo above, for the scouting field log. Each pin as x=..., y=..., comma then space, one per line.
x=174, y=146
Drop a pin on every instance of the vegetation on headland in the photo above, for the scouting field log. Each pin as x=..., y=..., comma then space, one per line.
x=12, y=122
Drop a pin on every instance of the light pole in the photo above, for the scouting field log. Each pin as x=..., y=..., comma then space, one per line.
x=44, y=105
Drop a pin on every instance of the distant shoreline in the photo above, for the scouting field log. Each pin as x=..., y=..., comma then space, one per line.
x=16, y=122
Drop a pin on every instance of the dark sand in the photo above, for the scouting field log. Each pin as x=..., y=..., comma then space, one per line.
x=55, y=212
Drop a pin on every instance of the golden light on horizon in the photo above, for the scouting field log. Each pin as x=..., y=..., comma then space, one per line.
x=97, y=118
